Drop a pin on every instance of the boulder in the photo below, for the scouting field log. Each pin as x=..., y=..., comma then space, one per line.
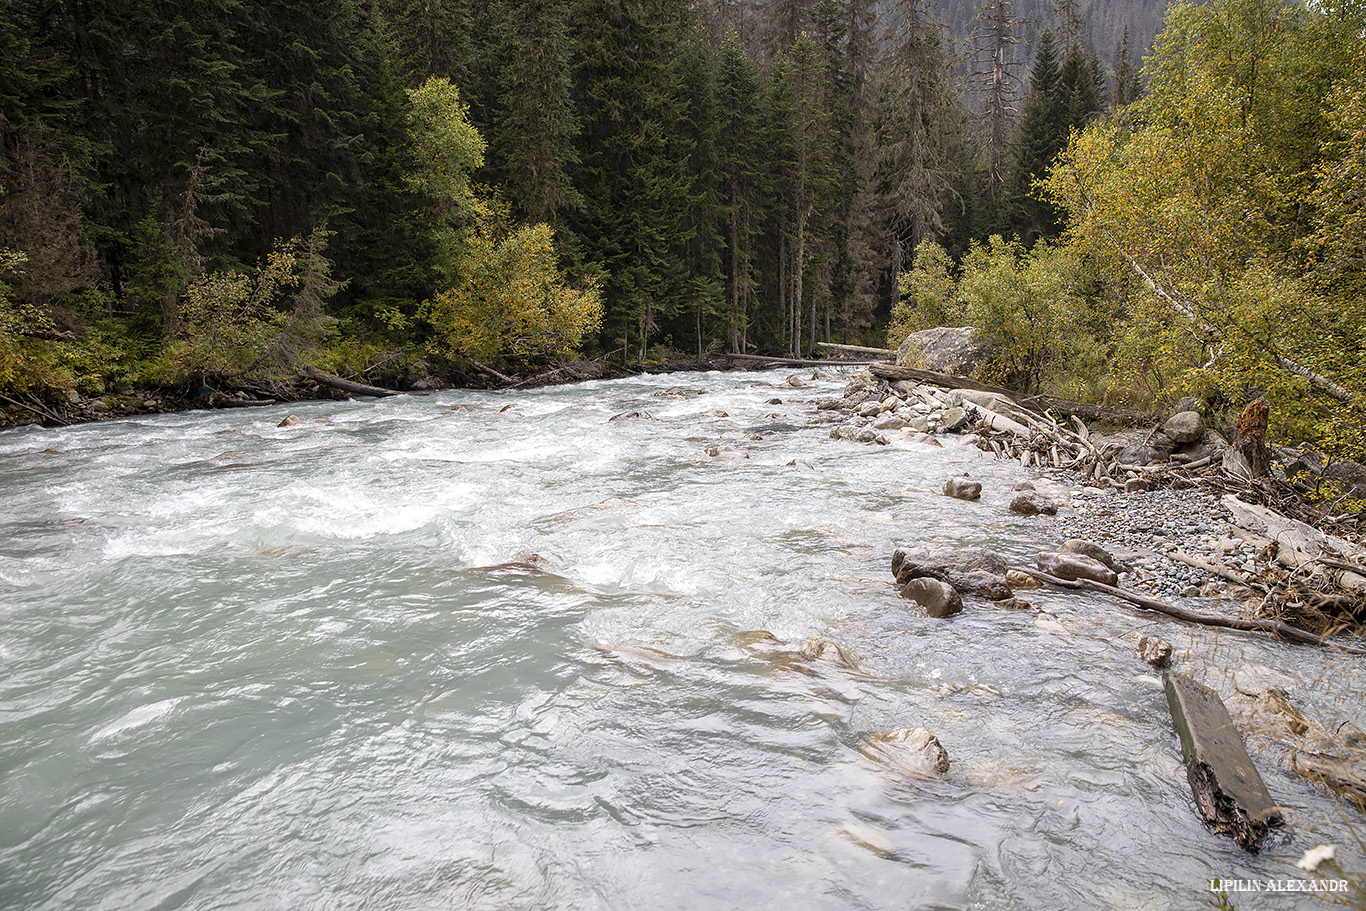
x=962, y=489
x=1137, y=485
x=291, y=421
x=945, y=350
x=796, y=381
x=1071, y=567
x=938, y=598
x=889, y=422
x=726, y=453
x=953, y=420
x=869, y=409
x=943, y=562
x=979, y=583
x=1095, y=552
x=1031, y=504
x=1184, y=427
x=911, y=752
x=1155, y=651
x=633, y=416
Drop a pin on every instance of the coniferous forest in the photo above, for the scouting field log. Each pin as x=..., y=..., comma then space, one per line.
x=193, y=194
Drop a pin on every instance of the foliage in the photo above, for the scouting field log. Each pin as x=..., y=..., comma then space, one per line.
x=928, y=295
x=1198, y=211
x=1024, y=304
x=234, y=323
x=512, y=306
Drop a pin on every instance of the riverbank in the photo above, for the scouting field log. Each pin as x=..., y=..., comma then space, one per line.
x=1177, y=528
x=74, y=407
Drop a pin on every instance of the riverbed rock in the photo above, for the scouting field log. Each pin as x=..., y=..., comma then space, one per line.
x=826, y=652
x=1184, y=427
x=1072, y=567
x=909, y=752
x=1271, y=724
x=291, y=421
x=633, y=416
x=1017, y=579
x=962, y=489
x=943, y=562
x=889, y=422
x=947, y=349
x=1095, y=552
x=938, y=598
x=869, y=409
x=1137, y=485
x=1155, y=651
x=796, y=381
x=726, y=453
x=1032, y=504
x=979, y=583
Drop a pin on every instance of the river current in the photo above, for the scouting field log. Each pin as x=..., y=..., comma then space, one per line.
x=245, y=666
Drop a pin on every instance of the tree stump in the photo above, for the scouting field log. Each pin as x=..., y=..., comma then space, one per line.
x=1248, y=456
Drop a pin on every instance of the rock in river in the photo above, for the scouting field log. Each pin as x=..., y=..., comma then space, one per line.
x=1031, y=504
x=962, y=489
x=938, y=598
x=1072, y=567
x=910, y=752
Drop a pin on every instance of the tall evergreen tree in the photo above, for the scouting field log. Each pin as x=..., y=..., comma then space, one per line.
x=634, y=190
x=741, y=145
x=531, y=136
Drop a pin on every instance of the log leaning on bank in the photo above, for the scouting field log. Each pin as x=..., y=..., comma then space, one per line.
x=1228, y=791
x=350, y=386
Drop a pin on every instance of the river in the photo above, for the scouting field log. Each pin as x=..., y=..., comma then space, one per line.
x=254, y=667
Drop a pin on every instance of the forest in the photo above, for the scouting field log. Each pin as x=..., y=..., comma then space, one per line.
x=191, y=194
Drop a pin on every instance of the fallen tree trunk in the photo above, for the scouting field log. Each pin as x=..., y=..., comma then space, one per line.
x=798, y=362
x=350, y=386
x=856, y=349
x=1284, y=630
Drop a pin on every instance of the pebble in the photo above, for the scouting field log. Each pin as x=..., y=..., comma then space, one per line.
x=1153, y=524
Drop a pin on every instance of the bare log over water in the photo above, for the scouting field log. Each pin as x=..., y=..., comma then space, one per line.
x=856, y=349
x=350, y=386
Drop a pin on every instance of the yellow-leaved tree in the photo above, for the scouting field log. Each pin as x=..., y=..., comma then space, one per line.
x=512, y=305
x=1200, y=202
x=503, y=299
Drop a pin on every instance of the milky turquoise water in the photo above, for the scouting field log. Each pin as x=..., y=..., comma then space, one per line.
x=252, y=667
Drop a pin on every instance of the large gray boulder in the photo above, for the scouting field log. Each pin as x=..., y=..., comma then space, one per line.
x=945, y=350
x=943, y=563
x=1184, y=427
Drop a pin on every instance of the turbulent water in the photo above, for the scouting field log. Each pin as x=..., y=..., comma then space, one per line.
x=253, y=667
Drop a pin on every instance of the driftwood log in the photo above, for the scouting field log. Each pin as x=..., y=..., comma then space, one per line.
x=1276, y=627
x=1228, y=791
x=1062, y=407
x=856, y=349
x=797, y=361
x=345, y=385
